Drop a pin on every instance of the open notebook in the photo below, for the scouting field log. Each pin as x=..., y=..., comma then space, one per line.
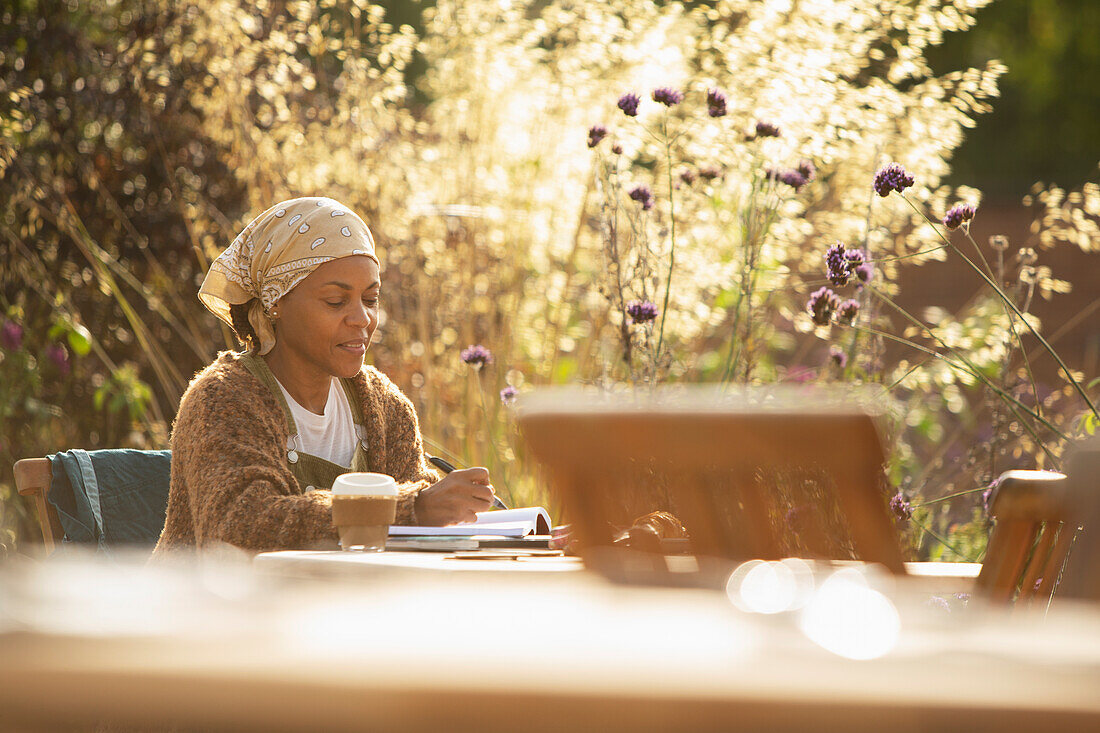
x=504, y=522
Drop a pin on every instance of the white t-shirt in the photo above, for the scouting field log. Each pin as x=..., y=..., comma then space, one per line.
x=330, y=436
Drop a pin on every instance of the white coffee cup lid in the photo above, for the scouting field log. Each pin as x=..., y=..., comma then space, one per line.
x=364, y=484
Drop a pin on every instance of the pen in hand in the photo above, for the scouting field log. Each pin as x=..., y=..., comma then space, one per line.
x=445, y=467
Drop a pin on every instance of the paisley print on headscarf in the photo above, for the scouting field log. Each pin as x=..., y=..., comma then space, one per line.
x=276, y=251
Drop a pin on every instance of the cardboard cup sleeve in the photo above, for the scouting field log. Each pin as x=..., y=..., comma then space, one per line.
x=348, y=511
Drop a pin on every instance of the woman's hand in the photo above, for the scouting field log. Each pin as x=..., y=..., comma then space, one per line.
x=457, y=498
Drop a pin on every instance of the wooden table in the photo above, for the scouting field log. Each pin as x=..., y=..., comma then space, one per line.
x=225, y=647
x=935, y=578
x=321, y=564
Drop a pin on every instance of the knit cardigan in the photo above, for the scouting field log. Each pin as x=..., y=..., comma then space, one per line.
x=230, y=481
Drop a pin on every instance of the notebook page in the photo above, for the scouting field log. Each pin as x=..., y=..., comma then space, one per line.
x=505, y=522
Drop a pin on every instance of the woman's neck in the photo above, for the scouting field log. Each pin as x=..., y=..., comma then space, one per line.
x=308, y=385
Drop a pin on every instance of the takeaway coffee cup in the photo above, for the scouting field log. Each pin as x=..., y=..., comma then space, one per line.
x=364, y=506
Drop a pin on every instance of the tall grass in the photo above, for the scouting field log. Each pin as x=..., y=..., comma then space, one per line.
x=126, y=171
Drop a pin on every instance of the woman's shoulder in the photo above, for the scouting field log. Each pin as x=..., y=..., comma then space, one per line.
x=375, y=381
x=227, y=417
x=227, y=371
x=376, y=386
x=226, y=381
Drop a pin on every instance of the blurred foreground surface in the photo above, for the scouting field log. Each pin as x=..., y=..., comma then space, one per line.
x=220, y=645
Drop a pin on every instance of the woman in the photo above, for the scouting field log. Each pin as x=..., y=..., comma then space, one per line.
x=260, y=435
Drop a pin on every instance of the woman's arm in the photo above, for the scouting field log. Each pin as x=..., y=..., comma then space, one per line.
x=228, y=454
x=405, y=459
x=425, y=497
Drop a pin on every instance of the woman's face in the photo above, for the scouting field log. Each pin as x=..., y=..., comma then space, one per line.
x=326, y=321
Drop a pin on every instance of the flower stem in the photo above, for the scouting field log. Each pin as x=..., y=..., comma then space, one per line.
x=733, y=336
x=672, y=230
x=909, y=371
x=1015, y=333
x=942, y=541
x=968, y=368
x=950, y=496
x=971, y=369
x=489, y=435
x=1008, y=301
x=1009, y=399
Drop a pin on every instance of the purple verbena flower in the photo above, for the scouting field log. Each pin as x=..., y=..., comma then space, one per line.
x=792, y=178
x=958, y=214
x=668, y=96
x=822, y=304
x=11, y=336
x=641, y=311
x=848, y=311
x=59, y=357
x=716, y=103
x=476, y=356
x=901, y=507
x=807, y=169
x=855, y=258
x=628, y=103
x=838, y=357
x=508, y=394
x=709, y=172
x=643, y=196
x=892, y=178
x=595, y=134
x=766, y=129
x=836, y=265
x=617, y=149
x=687, y=175
x=865, y=272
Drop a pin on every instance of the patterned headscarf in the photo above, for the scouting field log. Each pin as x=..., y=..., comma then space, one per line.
x=276, y=251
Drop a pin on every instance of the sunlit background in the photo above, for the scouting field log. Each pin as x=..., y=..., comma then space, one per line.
x=137, y=138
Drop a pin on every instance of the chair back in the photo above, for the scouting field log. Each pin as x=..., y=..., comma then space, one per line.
x=110, y=498
x=751, y=473
x=32, y=479
x=1030, y=539
x=1080, y=579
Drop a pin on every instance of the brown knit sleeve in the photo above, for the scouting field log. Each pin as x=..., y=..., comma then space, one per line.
x=404, y=458
x=228, y=456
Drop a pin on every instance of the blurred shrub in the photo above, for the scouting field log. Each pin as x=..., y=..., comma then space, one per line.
x=107, y=186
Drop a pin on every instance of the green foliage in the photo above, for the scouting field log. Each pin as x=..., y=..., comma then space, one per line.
x=964, y=541
x=1049, y=99
x=106, y=185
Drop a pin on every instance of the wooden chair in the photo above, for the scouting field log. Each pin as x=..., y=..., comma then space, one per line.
x=1030, y=540
x=740, y=469
x=32, y=478
x=1081, y=578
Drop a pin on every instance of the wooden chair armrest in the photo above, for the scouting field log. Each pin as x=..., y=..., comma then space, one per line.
x=1029, y=495
x=32, y=478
